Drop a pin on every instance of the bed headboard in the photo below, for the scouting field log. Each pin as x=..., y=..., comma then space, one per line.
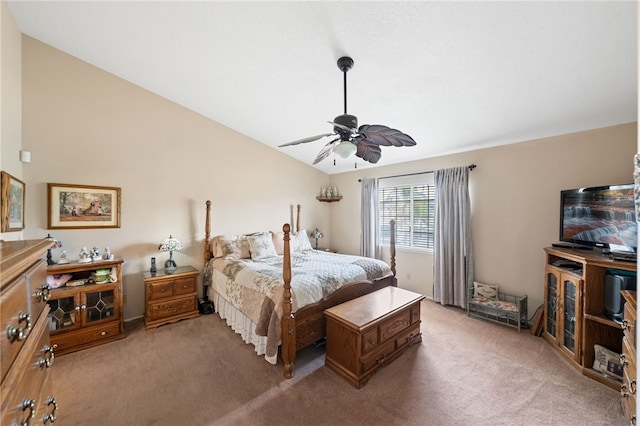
x=208, y=249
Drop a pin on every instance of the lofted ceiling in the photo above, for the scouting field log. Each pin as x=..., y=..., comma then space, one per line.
x=456, y=76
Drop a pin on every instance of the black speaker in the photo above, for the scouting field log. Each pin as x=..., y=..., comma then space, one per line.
x=205, y=307
x=615, y=282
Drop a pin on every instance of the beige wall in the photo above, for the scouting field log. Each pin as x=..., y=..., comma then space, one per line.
x=86, y=126
x=515, y=194
x=10, y=99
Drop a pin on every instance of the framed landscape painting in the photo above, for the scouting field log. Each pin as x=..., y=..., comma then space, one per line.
x=82, y=206
x=12, y=203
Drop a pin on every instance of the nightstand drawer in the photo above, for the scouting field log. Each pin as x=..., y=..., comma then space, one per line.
x=172, y=307
x=160, y=290
x=185, y=286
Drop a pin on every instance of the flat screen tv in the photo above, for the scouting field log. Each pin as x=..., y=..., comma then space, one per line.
x=602, y=216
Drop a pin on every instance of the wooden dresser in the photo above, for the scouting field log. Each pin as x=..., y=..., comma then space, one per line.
x=628, y=357
x=26, y=354
x=366, y=333
x=170, y=297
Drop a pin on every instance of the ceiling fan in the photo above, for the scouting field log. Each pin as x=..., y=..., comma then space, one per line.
x=364, y=141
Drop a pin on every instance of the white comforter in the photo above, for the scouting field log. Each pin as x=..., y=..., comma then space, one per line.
x=255, y=288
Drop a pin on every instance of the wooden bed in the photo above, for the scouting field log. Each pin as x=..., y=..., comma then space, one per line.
x=306, y=325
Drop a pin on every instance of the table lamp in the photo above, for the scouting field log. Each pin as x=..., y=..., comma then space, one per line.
x=56, y=244
x=170, y=244
x=317, y=235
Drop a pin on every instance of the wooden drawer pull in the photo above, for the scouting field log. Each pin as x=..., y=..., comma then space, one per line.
x=17, y=333
x=51, y=417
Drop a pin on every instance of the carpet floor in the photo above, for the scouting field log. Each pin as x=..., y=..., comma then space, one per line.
x=199, y=372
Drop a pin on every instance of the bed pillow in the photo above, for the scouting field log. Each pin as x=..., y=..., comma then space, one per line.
x=278, y=242
x=301, y=241
x=261, y=246
x=485, y=290
x=231, y=246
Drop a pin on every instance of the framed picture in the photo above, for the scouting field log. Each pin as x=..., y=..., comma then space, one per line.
x=12, y=203
x=82, y=206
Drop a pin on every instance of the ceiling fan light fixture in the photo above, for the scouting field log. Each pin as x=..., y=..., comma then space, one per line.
x=345, y=149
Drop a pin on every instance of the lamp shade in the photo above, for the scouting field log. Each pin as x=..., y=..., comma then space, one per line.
x=344, y=149
x=170, y=244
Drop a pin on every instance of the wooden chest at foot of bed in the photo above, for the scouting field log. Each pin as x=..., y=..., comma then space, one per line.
x=170, y=297
x=366, y=333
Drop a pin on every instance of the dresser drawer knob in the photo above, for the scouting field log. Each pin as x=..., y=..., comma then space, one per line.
x=370, y=341
x=44, y=293
x=17, y=333
x=31, y=405
x=48, y=361
x=104, y=333
x=51, y=417
x=623, y=360
x=623, y=390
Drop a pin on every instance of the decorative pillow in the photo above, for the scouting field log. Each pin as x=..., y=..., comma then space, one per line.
x=261, y=246
x=485, y=290
x=235, y=246
x=301, y=241
x=607, y=362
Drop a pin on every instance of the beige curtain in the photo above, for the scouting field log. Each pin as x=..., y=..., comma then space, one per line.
x=370, y=241
x=453, y=258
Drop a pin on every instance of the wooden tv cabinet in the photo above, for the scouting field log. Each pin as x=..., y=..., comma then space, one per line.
x=366, y=333
x=574, y=307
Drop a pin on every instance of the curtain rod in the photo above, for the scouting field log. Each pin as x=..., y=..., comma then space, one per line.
x=471, y=167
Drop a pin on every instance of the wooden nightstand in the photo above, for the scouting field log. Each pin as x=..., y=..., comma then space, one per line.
x=170, y=297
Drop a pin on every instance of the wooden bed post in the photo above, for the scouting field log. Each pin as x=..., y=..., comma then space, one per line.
x=288, y=323
x=207, y=246
x=392, y=244
x=298, y=220
x=207, y=233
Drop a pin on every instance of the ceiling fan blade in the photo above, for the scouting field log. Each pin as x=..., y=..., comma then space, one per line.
x=385, y=136
x=368, y=151
x=305, y=140
x=325, y=151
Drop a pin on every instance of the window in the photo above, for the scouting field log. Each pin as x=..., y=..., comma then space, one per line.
x=413, y=208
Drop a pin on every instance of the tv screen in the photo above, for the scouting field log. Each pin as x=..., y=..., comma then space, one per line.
x=602, y=216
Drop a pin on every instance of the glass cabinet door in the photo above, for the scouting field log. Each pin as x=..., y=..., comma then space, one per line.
x=99, y=305
x=569, y=304
x=552, y=302
x=63, y=314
